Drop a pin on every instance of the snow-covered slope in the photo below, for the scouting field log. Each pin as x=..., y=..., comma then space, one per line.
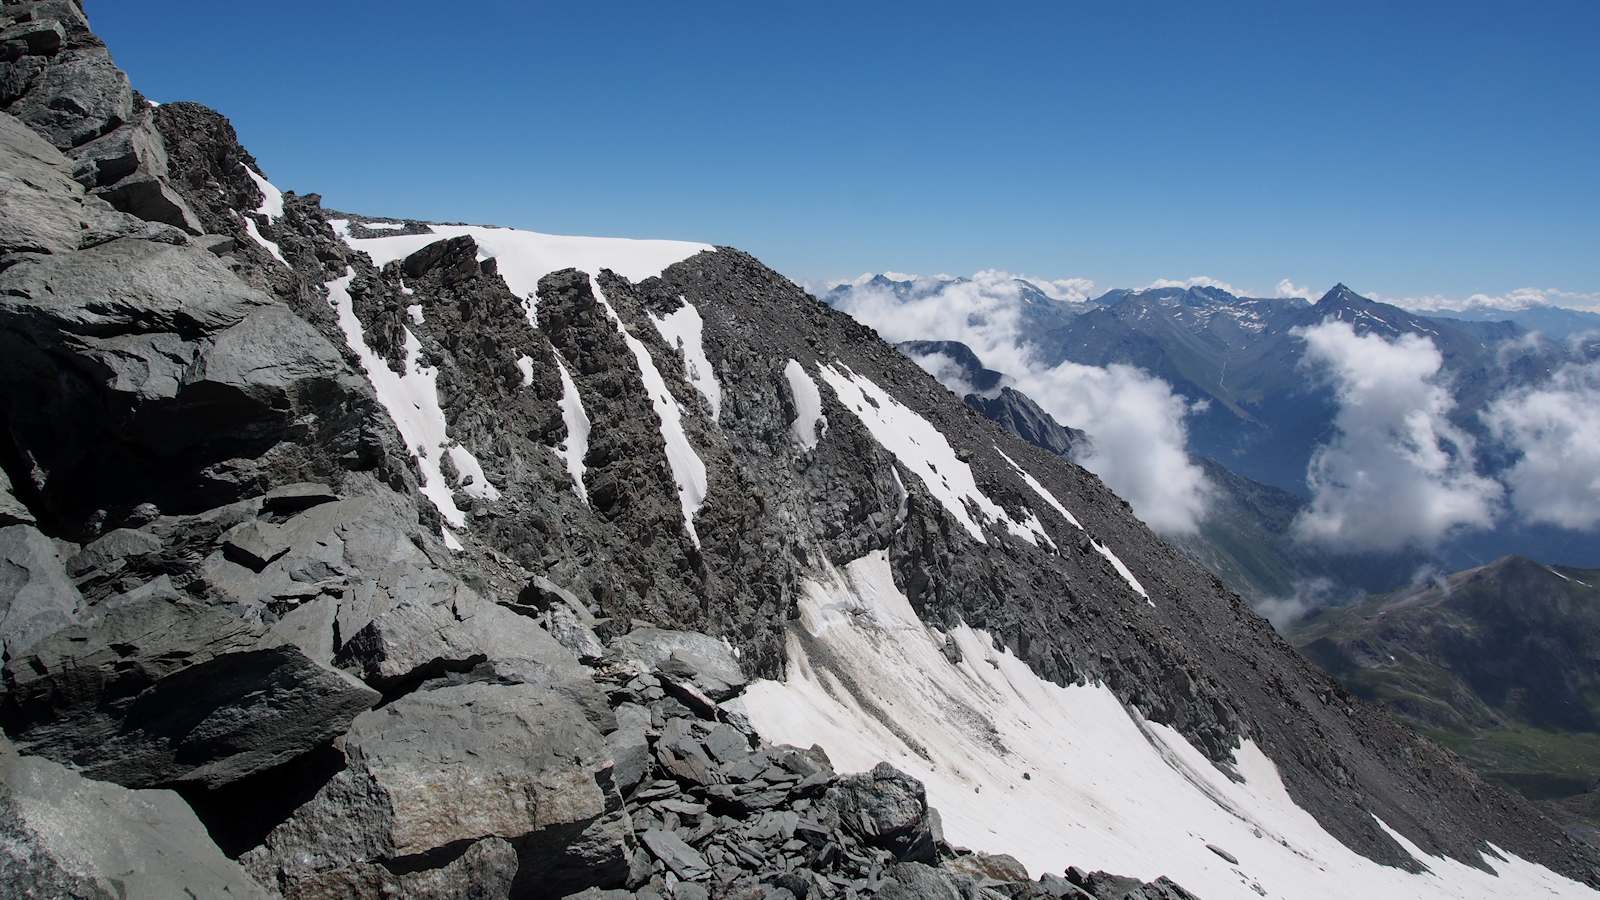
x=1066, y=775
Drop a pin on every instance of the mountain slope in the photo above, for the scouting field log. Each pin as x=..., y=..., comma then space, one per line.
x=448, y=551
x=1498, y=661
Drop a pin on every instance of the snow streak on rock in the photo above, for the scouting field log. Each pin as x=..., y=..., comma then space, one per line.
x=807, y=407
x=1122, y=570
x=1065, y=776
x=573, y=415
x=688, y=469
x=1034, y=485
x=925, y=452
x=682, y=328
x=412, y=401
x=1102, y=549
x=271, y=198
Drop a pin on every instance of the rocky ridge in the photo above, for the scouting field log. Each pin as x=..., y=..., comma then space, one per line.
x=239, y=602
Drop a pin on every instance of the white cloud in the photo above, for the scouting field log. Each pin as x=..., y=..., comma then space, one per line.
x=1511, y=301
x=1308, y=594
x=1192, y=281
x=1134, y=420
x=1555, y=428
x=1070, y=290
x=1288, y=289
x=1397, y=474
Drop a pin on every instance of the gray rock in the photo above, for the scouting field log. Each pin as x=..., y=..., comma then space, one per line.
x=152, y=199
x=254, y=544
x=684, y=861
x=12, y=510
x=79, y=96
x=629, y=745
x=916, y=881
x=463, y=763
x=119, y=154
x=484, y=869
x=36, y=597
x=886, y=808
x=705, y=662
x=159, y=692
x=38, y=38
x=39, y=202
x=444, y=626
x=65, y=836
x=292, y=498
x=1223, y=853
x=992, y=866
x=566, y=624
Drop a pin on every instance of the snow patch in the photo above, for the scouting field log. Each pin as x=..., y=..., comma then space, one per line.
x=255, y=235
x=1105, y=789
x=525, y=365
x=412, y=401
x=523, y=257
x=383, y=226
x=573, y=415
x=687, y=467
x=922, y=449
x=414, y=311
x=271, y=198
x=807, y=408
x=451, y=542
x=682, y=328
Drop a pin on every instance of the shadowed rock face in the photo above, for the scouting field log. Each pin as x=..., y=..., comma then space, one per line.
x=232, y=583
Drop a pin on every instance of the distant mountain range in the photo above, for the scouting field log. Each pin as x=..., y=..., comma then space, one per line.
x=1501, y=663
x=1261, y=411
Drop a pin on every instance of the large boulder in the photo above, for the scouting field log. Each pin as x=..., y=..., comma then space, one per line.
x=153, y=357
x=65, y=836
x=440, y=770
x=39, y=201
x=886, y=808
x=36, y=596
x=160, y=691
x=703, y=661
x=79, y=96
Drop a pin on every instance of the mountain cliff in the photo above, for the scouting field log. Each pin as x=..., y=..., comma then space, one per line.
x=361, y=556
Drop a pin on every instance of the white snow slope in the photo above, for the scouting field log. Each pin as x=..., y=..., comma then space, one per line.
x=1106, y=790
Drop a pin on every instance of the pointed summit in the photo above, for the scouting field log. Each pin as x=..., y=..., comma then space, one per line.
x=1340, y=294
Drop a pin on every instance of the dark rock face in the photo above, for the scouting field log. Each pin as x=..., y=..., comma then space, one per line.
x=231, y=583
x=120, y=843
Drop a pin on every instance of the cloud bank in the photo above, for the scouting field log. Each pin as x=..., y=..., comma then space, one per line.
x=1135, y=421
x=1397, y=474
x=1555, y=430
x=1511, y=301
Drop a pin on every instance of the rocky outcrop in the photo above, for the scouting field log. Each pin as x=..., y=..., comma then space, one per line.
x=63, y=835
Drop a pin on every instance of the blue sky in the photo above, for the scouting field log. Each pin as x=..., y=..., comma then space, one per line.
x=1406, y=149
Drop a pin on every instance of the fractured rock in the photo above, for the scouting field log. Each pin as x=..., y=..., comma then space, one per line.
x=63, y=835
x=463, y=763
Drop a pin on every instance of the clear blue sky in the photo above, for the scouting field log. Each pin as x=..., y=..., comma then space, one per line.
x=1406, y=148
